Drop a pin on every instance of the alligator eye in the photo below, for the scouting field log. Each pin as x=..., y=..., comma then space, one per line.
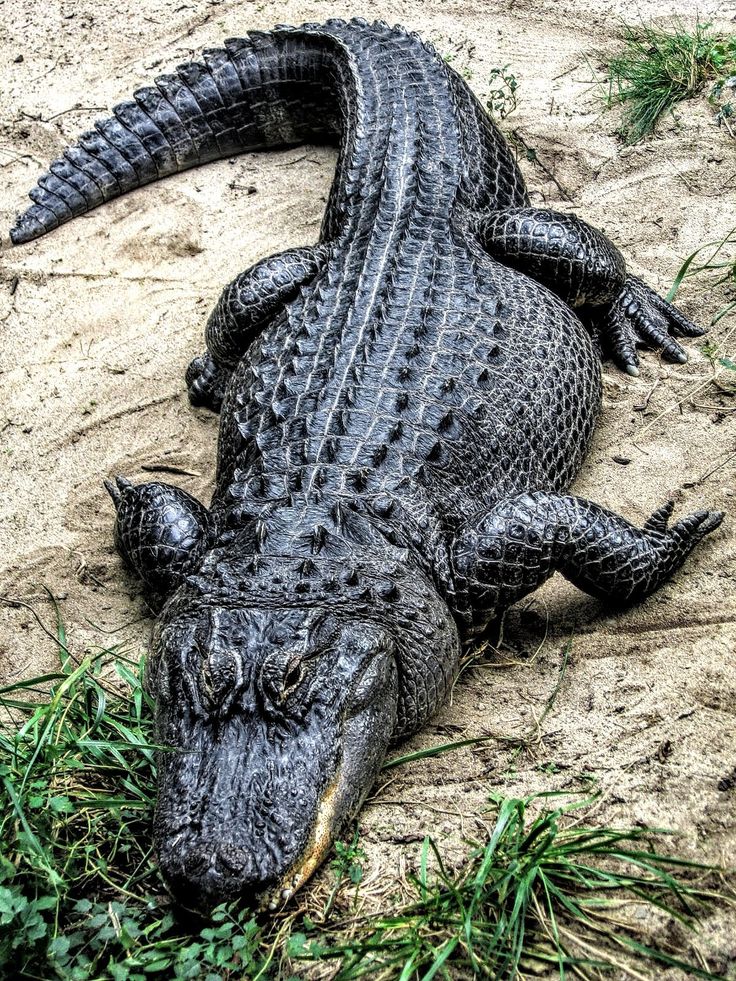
x=292, y=676
x=281, y=675
x=220, y=680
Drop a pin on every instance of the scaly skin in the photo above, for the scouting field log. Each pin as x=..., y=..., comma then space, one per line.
x=403, y=406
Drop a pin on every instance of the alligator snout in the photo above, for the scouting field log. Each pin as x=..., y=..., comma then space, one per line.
x=224, y=858
x=202, y=875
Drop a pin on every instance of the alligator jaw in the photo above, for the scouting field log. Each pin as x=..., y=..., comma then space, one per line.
x=344, y=795
x=315, y=853
x=365, y=737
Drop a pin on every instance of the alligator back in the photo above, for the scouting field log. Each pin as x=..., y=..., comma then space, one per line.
x=414, y=365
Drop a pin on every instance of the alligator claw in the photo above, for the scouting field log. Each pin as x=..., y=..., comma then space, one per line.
x=640, y=317
x=696, y=526
x=116, y=490
x=112, y=491
x=688, y=530
x=206, y=382
x=659, y=518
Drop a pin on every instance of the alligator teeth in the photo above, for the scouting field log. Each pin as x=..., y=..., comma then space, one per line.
x=286, y=894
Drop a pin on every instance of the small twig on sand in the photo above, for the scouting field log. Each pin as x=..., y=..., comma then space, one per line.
x=643, y=406
x=47, y=72
x=715, y=468
x=169, y=468
x=533, y=157
x=76, y=108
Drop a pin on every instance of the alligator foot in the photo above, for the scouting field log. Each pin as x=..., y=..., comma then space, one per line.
x=565, y=253
x=580, y=265
x=161, y=531
x=206, y=382
x=254, y=298
x=245, y=307
x=512, y=549
x=640, y=317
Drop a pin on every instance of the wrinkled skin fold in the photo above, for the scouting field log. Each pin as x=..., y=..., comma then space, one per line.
x=404, y=405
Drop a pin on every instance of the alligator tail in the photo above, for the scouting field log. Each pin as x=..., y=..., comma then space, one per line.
x=265, y=90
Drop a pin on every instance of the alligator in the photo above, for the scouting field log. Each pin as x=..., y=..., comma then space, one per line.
x=403, y=407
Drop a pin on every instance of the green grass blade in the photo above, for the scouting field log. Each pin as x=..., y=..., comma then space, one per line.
x=424, y=754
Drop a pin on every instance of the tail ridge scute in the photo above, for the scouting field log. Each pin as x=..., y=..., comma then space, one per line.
x=152, y=103
x=196, y=77
x=109, y=157
x=51, y=193
x=96, y=170
x=186, y=108
x=129, y=146
x=79, y=179
x=133, y=119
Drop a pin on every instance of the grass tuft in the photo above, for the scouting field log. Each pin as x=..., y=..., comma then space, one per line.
x=716, y=259
x=542, y=893
x=660, y=67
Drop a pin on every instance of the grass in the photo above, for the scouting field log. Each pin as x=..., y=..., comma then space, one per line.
x=717, y=260
x=81, y=899
x=660, y=67
x=542, y=892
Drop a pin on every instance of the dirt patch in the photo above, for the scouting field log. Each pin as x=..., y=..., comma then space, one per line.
x=100, y=318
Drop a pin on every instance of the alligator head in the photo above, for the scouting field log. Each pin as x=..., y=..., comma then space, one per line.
x=276, y=721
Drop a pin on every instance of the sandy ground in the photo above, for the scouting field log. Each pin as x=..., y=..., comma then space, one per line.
x=101, y=317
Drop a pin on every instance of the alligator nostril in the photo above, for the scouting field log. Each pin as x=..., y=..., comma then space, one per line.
x=196, y=862
x=234, y=858
x=200, y=876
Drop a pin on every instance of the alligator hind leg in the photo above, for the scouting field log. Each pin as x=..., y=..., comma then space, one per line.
x=161, y=531
x=512, y=549
x=246, y=306
x=580, y=265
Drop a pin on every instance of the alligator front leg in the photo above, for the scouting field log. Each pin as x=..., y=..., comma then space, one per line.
x=580, y=265
x=639, y=316
x=161, y=531
x=246, y=306
x=510, y=550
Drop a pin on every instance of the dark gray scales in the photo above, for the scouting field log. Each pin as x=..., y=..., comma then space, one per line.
x=403, y=407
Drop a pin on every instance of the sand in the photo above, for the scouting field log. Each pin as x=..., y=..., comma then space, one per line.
x=100, y=318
